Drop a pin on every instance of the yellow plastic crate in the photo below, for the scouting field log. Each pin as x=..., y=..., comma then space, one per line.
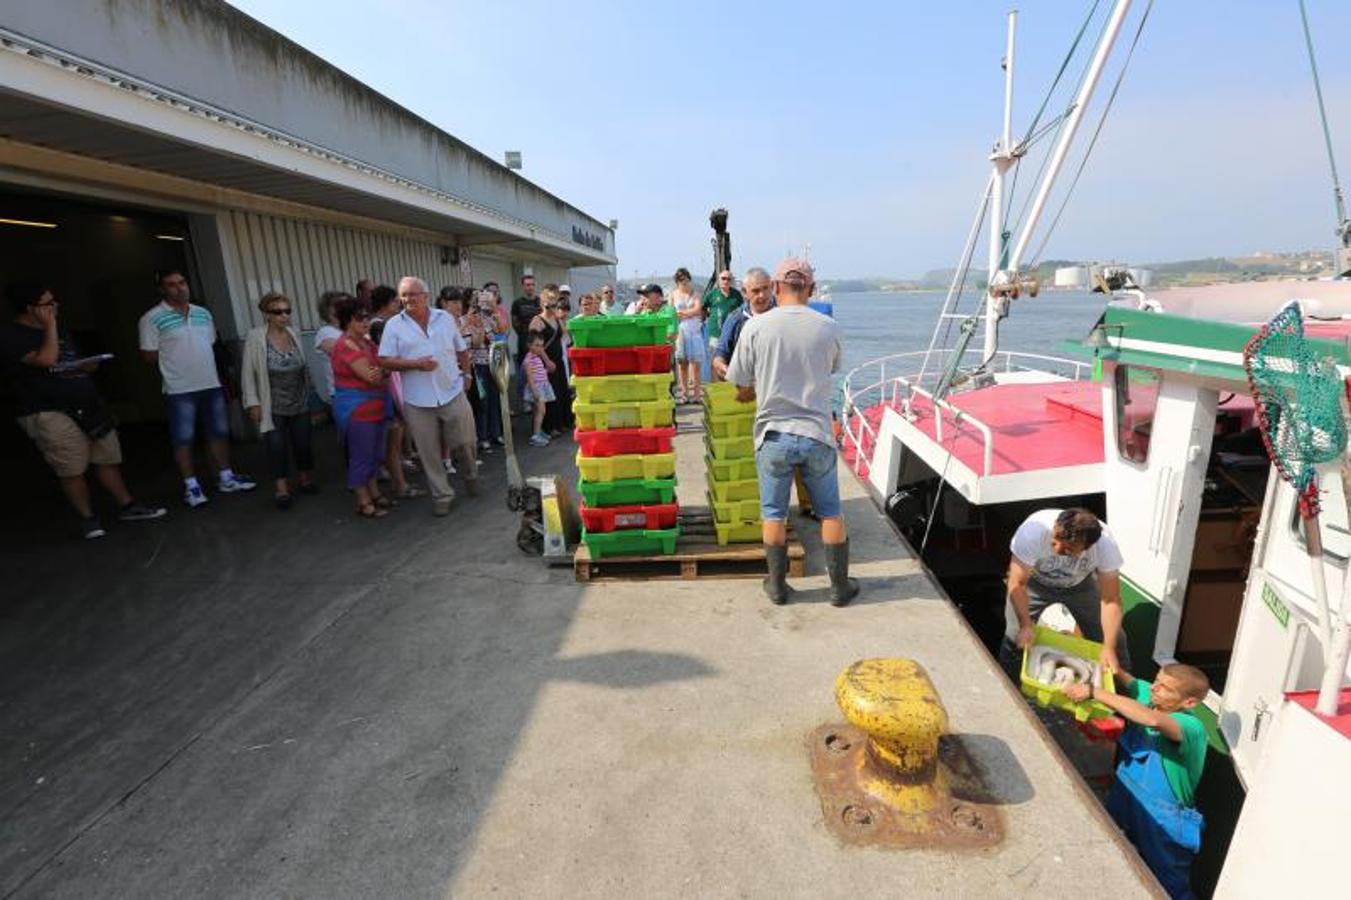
x=730, y=469
x=648, y=466
x=630, y=414
x=738, y=532
x=734, y=425
x=720, y=399
x=730, y=448
x=1045, y=695
x=734, y=511
x=726, y=491
x=623, y=388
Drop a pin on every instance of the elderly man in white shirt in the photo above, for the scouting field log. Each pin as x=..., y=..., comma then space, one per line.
x=425, y=344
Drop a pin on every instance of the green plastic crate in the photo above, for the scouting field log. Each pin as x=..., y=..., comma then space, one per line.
x=720, y=399
x=726, y=491
x=731, y=469
x=628, y=492
x=738, y=532
x=630, y=414
x=1048, y=696
x=622, y=388
x=730, y=448
x=734, y=511
x=620, y=331
x=731, y=425
x=635, y=542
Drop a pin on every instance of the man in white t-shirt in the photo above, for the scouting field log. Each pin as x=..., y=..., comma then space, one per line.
x=177, y=335
x=1065, y=556
x=425, y=344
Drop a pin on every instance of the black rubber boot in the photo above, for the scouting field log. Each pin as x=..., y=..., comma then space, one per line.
x=842, y=587
x=776, y=585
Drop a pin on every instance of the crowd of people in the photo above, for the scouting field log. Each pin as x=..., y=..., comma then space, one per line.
x=406, y=376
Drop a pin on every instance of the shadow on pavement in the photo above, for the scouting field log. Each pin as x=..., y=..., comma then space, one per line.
x=239, y=701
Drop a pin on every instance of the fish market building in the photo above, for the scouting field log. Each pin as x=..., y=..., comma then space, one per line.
x=137, y=135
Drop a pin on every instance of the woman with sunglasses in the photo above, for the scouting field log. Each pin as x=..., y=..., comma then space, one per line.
x=361, y=402
x=276, y=387
x=552, y=326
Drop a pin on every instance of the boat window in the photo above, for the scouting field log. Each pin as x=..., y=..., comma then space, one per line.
x=1332, y=518
x=1137, y=394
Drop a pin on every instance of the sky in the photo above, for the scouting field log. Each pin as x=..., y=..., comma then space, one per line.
x=861, y=130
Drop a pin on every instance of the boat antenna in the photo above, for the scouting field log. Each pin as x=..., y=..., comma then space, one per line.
x=1342, y=260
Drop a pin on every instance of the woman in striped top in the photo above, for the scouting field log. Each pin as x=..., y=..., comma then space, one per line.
x=538, y=390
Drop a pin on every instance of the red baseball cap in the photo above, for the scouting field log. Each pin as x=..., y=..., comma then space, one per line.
x=795, y=269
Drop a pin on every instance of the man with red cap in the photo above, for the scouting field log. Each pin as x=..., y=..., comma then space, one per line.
x=784, y=360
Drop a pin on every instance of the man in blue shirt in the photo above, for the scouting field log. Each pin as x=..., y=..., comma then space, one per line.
x=759, y=299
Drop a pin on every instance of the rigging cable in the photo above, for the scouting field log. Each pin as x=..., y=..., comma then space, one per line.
x=1032, y=136
x=1097, y=132
x=1343, y=225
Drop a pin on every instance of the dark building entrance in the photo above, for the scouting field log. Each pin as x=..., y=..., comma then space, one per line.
x=100, y=260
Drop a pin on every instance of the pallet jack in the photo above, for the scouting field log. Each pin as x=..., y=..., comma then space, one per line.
x=548, y=518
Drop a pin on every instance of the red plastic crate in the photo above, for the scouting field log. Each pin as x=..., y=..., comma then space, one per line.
x=618, y=441
x=624, y=518
x=592, y=361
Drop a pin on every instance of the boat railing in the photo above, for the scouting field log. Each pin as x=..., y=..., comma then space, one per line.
x=894, y=380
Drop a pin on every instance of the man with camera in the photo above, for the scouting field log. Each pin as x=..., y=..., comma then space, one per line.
x=61, y=410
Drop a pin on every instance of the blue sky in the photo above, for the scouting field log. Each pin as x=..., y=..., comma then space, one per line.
x=861, y=129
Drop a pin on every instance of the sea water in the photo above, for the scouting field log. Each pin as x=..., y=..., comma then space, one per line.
x=878, y=324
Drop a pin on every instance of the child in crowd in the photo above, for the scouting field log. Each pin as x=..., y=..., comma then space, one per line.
x=1162, y=754
x=538, y=391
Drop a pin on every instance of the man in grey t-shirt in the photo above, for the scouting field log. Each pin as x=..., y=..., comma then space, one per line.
x=784, y=360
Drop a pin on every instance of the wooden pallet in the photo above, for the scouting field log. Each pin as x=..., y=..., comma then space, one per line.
x=698, y=555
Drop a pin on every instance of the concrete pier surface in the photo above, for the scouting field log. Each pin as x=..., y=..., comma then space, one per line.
x=241, y=702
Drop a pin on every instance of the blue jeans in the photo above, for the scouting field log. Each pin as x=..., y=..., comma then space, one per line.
x=776, y=458
x=185, y=410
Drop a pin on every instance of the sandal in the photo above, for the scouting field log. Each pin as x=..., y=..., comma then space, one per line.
x=384, y=502
x=371, y=511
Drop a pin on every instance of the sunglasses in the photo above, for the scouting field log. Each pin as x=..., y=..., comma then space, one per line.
x=280, y=312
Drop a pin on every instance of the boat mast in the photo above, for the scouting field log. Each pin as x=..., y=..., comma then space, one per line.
x=1057, y=161
x=1341, y=259
x=1002, y=159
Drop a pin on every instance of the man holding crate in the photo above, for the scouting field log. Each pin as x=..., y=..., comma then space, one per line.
x=1064, y=556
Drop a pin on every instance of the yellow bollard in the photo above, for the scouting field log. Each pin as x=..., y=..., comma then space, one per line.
x=895, y=704
x=889, y=778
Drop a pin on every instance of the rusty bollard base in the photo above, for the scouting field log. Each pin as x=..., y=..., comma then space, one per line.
x=892, y=777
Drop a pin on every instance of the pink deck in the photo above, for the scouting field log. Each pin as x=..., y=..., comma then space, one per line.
x=1035, y=426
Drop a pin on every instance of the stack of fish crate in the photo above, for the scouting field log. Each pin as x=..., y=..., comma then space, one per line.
x=621, y=369
x=733, y=488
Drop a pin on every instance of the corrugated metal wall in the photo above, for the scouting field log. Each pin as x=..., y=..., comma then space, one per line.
x=302, y=259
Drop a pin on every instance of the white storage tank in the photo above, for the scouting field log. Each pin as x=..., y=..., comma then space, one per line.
x=1142, y=277
x=1071, y=277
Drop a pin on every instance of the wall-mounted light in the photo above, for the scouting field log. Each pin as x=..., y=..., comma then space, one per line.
x=512, y=159
x=27, y=223
x=170, y=237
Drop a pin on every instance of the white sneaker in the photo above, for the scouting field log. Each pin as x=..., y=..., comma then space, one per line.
x=194, y=496
x=539, y=439
x=450, y=466
x=235, y=484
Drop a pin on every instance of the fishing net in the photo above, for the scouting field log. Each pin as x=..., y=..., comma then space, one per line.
x=1298, y=396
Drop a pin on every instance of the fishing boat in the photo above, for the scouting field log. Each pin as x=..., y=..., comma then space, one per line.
x=1149, y=420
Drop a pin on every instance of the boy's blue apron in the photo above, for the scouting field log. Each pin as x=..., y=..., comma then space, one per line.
x=1166, y=833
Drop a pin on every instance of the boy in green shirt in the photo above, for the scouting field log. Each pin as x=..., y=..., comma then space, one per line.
x=1162, y=754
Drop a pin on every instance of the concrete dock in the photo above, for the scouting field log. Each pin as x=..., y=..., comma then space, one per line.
x=241, y=702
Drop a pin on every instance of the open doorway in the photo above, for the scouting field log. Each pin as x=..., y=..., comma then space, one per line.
x=100, y=260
